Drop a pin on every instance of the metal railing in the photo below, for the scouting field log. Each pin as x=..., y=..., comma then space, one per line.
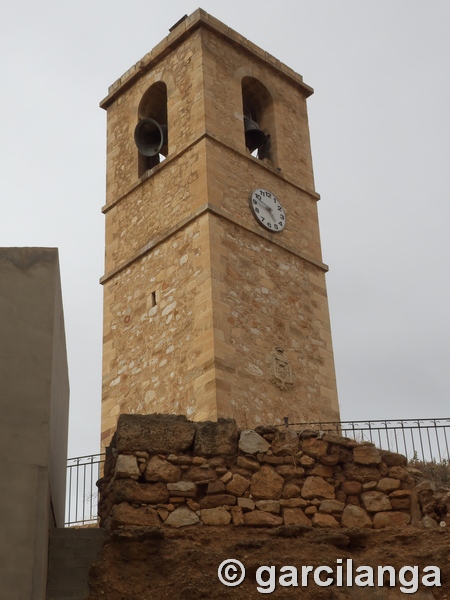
x=81, y=491
x=424, y=440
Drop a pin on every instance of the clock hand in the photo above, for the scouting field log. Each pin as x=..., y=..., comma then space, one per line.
x=269, y=208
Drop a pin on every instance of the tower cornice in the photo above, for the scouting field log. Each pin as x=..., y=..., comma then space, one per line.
x=196, y=20
x=215, y=210
x=258, y=163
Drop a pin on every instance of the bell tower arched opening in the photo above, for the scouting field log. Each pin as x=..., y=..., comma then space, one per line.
x=258, y=118
x=151, y=135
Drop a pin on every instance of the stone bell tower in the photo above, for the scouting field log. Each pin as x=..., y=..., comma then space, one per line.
x=215, y=302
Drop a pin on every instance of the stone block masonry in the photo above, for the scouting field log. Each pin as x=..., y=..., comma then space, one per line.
x=163, y=470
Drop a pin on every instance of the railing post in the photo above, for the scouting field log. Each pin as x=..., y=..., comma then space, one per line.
x=81, y=489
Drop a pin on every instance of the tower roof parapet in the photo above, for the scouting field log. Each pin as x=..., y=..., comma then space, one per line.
x=197, y=19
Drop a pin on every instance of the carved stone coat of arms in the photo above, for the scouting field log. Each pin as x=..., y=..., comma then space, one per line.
x=280, y=372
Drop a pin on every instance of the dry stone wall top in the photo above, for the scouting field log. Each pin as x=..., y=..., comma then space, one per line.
x=163, y=470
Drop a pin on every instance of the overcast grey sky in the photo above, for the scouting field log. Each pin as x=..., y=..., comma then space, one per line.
x=380, y=132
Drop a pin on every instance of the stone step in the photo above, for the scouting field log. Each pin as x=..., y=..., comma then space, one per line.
x=71, y=553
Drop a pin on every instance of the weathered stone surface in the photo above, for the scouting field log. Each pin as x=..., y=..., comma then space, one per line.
x=392, y=459
x=351, y=488
x=123, y=514
x=214, y=438
x=307, y=461
x=251, y=442
x=366, y=455
x=140, y=454
x=415, y=472
x=400, y=494
x=340, y=441
x=271, y=459
x=246, y=503
x=400, y=503
x=375, y=501
x=217, y=500
x=272, y=506
x=285, y=442
x=181, y=517
x=242, y=472
x=217, y=462
x=238, y=485
x=216, y=487
x=400, y=473
x=295, y=516
x=183, y=459
x=310, y=511
x=426, y=486
x=195, y=506
x=415, y=511
x=361, y=473
x=127, y=490
x=369, y=486
x=331, y=460
x=315, y=447
x=266, y=484
x=238, y=516
x=259, y=518
x=322, y=471
x=126, y=467
x=160, y=434
x=427, y=501
x=354, y=500
x=355, y=516
x=159, y=469
x=226, y=477
x=331, y=506
x=341, y=496
x=429, y=523
x=323, y=520
x=290, y=471
x=251, y=464
x=215, y=516
x=199, y=473
x=383, y=468
x=343, y=454
x=291, y=490
x=317, y=487
x=293, y=503
x=388, y=485
x=266, y=429
x=390, y=519
x=183, y=487
x=163, y=513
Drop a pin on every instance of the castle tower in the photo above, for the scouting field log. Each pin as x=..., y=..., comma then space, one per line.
x=215, y=302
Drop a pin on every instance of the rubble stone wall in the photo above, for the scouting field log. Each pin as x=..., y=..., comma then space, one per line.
x=163, y=470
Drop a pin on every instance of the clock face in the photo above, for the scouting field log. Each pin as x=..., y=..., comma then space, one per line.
x=267, y=210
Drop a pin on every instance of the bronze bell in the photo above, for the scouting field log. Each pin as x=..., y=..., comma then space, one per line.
x=150, y=137
x=254, y=136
